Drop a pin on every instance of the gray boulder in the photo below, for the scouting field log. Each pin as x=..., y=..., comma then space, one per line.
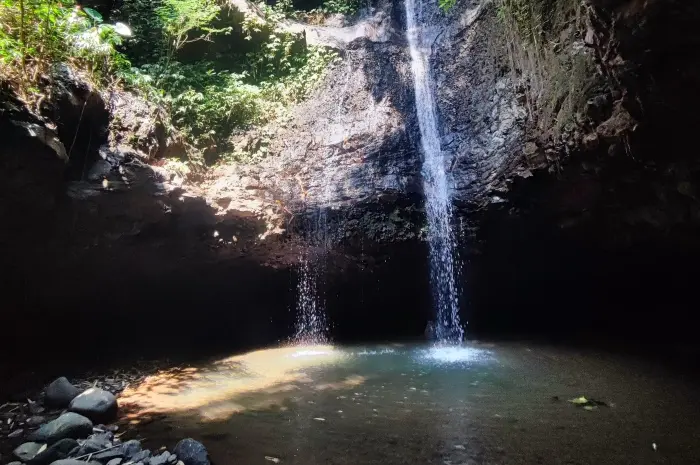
x=59, y=393
x=69, y=425
x=57, y=451
x=191, y=452
x=98, y=405
x=27, y=451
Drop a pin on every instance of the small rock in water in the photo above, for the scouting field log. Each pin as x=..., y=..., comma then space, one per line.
x=69, y=425
x=272, y=459
x=95, y=404
x=28, y=451
x=192, y=452
x=116, y=461
x=59, y=450
x=172, y=459
x=16, y=433
x=15, y=463
x=459, y=447
x=60, y=393
x=320, y=419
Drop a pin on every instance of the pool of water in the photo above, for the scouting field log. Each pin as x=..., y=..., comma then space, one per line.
x=417, y=404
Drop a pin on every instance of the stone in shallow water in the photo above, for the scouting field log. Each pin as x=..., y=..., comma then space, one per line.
x=59, y=450
x=60, y=392
x=191, y=452
x=95, y=404
x=27, y=451
x=16, y=433
x=69, y=425
x=116, y=461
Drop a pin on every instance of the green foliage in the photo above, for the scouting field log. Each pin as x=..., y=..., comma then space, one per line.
x=148, y=44
x=187, y=21
x=205, y=101
x=446, y=5
x=35, y=34
x=346, y=7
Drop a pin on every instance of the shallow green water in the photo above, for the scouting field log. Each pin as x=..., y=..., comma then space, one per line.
x=411, y=404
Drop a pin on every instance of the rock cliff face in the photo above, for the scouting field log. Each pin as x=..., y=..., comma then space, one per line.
x=555, y=160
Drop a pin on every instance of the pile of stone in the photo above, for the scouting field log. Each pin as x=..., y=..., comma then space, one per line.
x=79, y=435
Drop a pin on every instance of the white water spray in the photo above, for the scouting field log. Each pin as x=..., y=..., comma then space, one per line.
x=443, y=265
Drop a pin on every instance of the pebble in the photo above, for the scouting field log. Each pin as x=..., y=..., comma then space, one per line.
x=116, y=461
x=16, y=433
x=36, y=421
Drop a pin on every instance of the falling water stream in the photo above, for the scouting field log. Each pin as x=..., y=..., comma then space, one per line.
x=443, y=264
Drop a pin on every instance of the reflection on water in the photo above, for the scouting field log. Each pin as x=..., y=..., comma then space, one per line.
x=399, y=404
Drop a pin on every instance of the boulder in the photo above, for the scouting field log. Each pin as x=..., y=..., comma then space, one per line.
x=60, y=393
x=57, y=451
x=191, y=452
x=69, y=425
x=95, y=404
x=27, y=451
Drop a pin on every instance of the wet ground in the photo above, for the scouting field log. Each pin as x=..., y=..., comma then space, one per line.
x=414, y=404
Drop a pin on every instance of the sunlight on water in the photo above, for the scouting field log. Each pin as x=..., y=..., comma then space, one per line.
x=256, y=379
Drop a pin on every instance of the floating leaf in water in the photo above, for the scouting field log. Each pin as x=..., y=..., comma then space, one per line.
x=272, y=459
x=320, y=419
x=579, y=401
x=588, y=404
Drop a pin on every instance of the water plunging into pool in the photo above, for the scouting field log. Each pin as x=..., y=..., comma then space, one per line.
x=443, y=264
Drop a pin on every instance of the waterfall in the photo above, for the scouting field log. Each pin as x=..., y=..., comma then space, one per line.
x=311, y=323
x=443, y=263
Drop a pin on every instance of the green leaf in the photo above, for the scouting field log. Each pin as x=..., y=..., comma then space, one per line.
x=579, y=401
x=93, y=14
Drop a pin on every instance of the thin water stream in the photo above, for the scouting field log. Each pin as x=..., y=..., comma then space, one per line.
x=443, y=261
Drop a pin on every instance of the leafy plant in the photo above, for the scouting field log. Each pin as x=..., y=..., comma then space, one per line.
x=36, y=34
x=187, y=21
x=446, y=5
